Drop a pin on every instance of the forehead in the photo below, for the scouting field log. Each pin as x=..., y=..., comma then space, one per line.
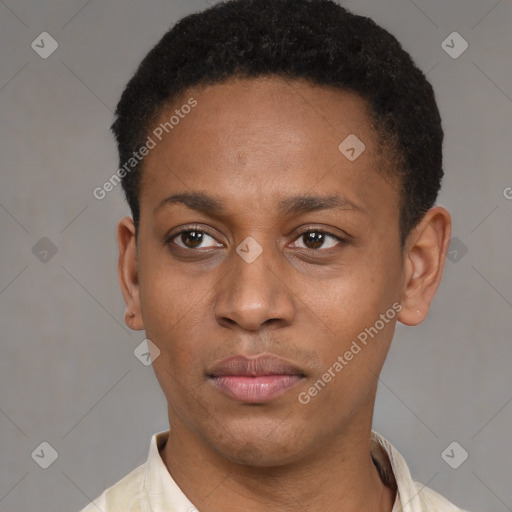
x=255, y=109
x=262, y=135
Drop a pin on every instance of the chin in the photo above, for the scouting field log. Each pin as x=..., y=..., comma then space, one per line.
x=259, y=445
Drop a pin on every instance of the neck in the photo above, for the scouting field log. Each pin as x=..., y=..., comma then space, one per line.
x=339, y=476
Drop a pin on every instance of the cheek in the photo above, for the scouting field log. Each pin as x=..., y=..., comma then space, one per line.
x=352, y=352
x=350, y=308
x=179, y=367
x=173, y=313
x=168, y=295
x=353, y=300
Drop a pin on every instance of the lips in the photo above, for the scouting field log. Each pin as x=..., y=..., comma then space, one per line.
x=255, y=379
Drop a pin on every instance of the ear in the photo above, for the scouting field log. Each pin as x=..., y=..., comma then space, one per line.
x=425, y=255
x=128, y=273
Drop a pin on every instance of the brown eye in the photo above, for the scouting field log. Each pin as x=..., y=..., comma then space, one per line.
x=316, y=239
x=313, y=239
x=194, y=239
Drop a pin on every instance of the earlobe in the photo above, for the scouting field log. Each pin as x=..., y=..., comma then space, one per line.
x=424, y=260
x=128, y=272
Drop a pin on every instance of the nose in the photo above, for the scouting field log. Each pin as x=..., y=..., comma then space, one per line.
x=254, y=295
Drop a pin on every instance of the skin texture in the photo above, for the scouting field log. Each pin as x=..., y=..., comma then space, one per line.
x=252, y=143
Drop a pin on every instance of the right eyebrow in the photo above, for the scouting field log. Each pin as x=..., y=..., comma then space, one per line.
x=193, y=200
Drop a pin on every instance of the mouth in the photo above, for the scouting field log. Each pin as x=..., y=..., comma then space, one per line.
x=256, y=379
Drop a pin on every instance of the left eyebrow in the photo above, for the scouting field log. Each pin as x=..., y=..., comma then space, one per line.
x=289, y=206
x=305, y=204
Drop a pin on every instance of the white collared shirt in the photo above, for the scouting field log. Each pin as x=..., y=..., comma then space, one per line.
x=150, y=487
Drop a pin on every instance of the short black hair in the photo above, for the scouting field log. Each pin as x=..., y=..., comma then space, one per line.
x=314, y=40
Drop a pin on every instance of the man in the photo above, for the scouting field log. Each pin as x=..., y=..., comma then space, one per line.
x=281, y=159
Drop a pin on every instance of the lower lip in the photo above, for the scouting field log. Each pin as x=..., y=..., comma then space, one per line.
x=255, y=389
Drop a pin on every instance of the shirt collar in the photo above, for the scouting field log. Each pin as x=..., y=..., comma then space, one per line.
x=407, y=498
x=163, y=492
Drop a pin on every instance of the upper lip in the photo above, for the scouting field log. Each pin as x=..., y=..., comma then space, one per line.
x=254, y=366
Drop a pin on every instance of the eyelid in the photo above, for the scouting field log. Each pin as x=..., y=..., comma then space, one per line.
x=314, y=227
x=185, y=229
x=343, y=239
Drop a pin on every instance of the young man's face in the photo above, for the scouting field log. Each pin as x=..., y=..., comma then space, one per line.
x=263, y=155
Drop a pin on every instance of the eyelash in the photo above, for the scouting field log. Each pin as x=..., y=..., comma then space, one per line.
x=170, y=239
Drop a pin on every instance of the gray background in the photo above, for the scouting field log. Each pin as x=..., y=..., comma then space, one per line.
x=68, y=375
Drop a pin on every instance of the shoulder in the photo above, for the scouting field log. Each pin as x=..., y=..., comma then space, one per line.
x=432, y=501
x=127, y=495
